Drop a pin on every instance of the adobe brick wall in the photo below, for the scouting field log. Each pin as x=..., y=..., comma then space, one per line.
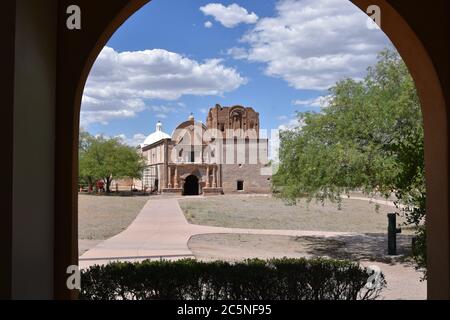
x=254, y=181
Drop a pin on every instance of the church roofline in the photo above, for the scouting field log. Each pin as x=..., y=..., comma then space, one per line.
x=187, y=123
x=149, y=146
x=231, y=107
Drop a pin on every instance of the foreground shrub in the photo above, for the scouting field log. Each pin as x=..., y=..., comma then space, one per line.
x=275, y=279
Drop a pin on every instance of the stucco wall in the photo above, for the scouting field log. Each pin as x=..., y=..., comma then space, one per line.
x=34, y=135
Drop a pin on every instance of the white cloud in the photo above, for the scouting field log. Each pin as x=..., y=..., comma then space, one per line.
x=289, y=125
x=229, y=16
x=204, y=110
x=165, y=109
x=134, y=141
x=120, y=83
x=104, y=116
x=208, y=24
x=311, y=44
x=238, y=53
x=319, y=102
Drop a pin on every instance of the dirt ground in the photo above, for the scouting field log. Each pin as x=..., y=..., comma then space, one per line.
x=101, y=217
x=368, y=247
x=233, y=247
x=266, y=212
x=403, y=281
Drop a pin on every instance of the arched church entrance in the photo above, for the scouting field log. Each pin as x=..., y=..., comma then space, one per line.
x=191, y=186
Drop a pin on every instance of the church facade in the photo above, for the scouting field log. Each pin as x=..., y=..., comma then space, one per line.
x=222, y=156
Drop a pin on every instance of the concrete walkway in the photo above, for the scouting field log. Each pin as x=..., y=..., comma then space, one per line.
x=161, y=231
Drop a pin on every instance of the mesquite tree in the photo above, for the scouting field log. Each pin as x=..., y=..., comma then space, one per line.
x=369, y=137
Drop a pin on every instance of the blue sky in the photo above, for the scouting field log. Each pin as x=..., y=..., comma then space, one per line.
x=176, y=57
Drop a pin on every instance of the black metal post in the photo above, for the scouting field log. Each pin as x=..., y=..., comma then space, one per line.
x=392, y=234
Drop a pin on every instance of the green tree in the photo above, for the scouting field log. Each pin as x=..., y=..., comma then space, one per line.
x=107, y=159
x=369, y=138
x=85, y=176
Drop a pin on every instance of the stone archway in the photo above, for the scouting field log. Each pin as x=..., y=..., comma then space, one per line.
x=191, y=186
x=419, y=45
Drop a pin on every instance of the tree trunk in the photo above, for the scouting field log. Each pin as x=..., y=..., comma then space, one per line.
x=108, y=184
x=90, y=185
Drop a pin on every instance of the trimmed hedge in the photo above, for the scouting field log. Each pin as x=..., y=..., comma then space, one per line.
x=275, y=279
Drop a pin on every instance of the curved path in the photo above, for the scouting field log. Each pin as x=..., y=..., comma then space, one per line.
x=161, y=231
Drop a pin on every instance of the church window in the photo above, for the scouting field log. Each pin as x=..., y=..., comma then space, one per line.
x=240, y=185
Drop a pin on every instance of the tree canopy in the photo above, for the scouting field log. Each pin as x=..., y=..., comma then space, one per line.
x=369, y=138
x=107, y=159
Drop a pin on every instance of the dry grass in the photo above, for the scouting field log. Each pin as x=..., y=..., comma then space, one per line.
x=264, y=212
x=101, y=217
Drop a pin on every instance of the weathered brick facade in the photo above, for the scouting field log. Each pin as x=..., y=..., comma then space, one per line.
x=224, y=156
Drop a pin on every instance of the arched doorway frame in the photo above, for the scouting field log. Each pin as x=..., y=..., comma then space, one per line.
x=77, y=52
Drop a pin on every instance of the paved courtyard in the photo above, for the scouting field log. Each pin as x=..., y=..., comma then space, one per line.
x=161, y=231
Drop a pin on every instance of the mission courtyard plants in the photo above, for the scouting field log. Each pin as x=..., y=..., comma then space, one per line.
x=274, y=279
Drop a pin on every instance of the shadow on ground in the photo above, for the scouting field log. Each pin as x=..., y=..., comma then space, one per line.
x=364, y=247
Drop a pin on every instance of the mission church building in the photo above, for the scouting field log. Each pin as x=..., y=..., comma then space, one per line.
x=225, y=155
